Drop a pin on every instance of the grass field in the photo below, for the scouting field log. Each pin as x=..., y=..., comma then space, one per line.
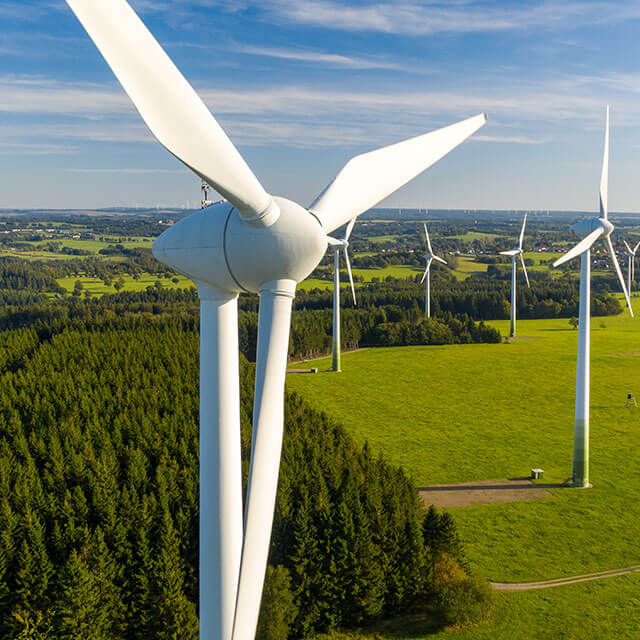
x=98, y=288
x=476, y=412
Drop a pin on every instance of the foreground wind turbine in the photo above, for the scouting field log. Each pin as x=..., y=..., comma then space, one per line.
x=594, y=228
x=252, y=242
x=514, y=253
x=631, y=258
x=430, y=256
x=337, y=245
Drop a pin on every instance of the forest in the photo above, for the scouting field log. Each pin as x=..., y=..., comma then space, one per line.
x=99, y=500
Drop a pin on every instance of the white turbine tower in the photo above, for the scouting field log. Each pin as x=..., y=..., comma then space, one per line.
x=430, y=256
x=337, y=245
x=631, y=258
x=514, y=253
x=594, y=228
x=253, y=242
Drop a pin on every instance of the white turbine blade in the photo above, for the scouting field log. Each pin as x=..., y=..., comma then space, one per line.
x=440, y=260
x=627, y=245
x=424, y=275
x=524, y=224
x=268, y=423
x=170, y=107
x=511, y=252
x=604, y=180
x=636, y=248
x=614, y=259
x=350, y=226
x=334, y=242
x=426, y=233
x=353, y=289
x=369, y=178
x=581, y=247
x=524, y=268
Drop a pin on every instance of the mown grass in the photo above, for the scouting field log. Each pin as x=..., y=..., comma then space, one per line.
x=475, y=412
x=602, y=610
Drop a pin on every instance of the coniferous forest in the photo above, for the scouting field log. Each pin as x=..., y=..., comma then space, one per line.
x=99, y=499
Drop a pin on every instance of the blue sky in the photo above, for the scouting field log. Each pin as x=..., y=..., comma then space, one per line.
x=302, y=85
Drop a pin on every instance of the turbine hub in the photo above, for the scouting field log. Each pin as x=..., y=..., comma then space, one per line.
x=585, y=227
x=215, y=247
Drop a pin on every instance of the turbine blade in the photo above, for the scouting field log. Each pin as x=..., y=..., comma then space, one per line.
x=614, y=259
x=424, y=275
x=334, y=242
x=353, y=289
x=350, y=226
x=582, y=246
x=274, y=321
x=628, y=247
x=170, y=107
x=511, y=252
x=426, y=233
x=524, y=268
x=604, y=179
x=369, y=178
x=636, y=248
x=524, y=224
x=440, y=260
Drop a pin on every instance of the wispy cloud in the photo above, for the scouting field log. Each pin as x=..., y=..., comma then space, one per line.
x=318, y=57
x=134, y=171
x=425, y=17
x=34, y=148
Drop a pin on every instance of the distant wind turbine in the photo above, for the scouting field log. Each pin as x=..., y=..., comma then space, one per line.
x=430, y=256
x=514, y=253
x=337, y=245
x=594, y=228
x=631, y=257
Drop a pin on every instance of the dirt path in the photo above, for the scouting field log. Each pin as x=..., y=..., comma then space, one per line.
x=484, y=492
x=558, y=582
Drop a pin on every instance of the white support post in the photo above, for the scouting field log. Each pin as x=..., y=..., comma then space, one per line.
x=512, y=330
x=220, y=463
x=581, y=430
x=335, y=356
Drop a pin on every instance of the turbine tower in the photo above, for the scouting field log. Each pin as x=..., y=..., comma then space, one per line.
x=594, y=228
x=252, y=242
x=631, y=258
x=430, y=256
x=337, y=245
x=514, y=253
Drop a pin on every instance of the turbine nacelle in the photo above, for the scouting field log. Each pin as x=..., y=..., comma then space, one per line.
x=585, y=227
x=216, y=247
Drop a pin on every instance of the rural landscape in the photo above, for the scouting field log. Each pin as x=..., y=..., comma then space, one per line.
x=319, y=320
x=99, y=445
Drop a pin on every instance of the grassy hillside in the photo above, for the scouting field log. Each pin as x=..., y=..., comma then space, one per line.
x=476, y=412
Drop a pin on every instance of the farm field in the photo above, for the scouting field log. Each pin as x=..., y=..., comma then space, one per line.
x=97, y=287
x=478, y=412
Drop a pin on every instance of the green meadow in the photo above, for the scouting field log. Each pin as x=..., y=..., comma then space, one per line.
x=460, y=413
x=97, y=287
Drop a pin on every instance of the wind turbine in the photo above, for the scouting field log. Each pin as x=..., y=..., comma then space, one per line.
x=594, y=228
x=252, y=242
x=514, y=253
x=631, y=257
x=337, y=245
x=430, y=256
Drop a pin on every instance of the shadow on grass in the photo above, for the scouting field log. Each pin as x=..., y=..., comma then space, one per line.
x=410, y=625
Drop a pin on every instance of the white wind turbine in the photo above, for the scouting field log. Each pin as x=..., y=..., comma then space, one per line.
x=631, y=269
x=430, y=256
x=514, y=253
x=594, y=228
x=253, y=242
x=337, y=245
